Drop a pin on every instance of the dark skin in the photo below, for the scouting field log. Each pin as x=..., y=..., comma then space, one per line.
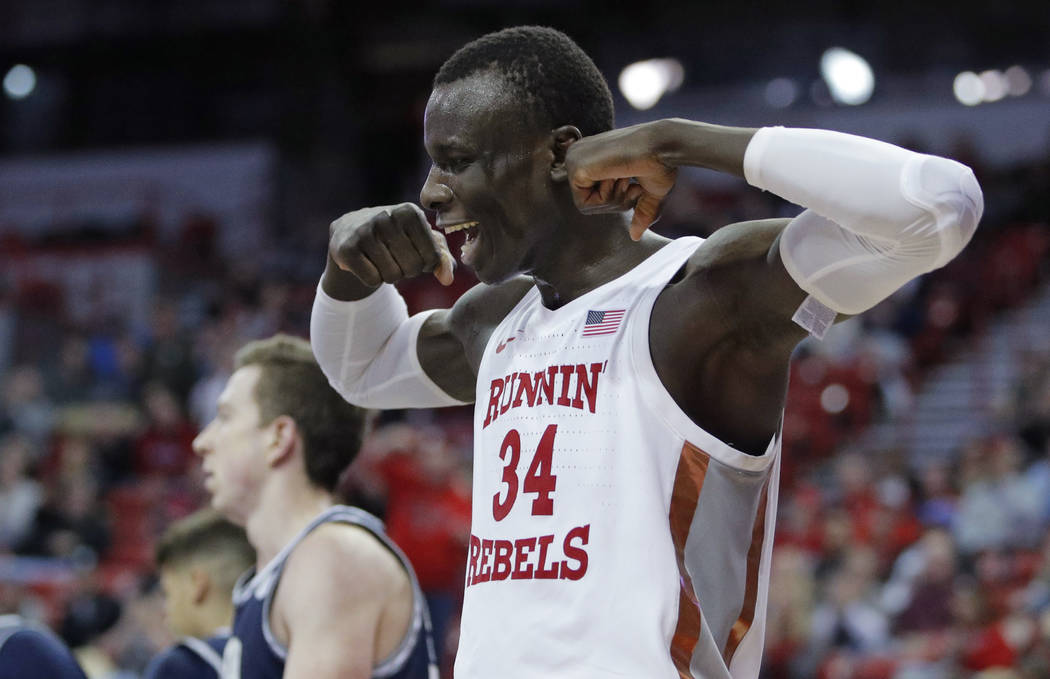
x=552, y=211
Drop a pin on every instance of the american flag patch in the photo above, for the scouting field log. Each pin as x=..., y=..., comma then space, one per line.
x=603, y=322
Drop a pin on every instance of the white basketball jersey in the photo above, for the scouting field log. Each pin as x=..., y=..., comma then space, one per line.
x=611, y=536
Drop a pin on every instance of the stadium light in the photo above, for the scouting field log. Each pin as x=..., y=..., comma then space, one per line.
x=968, y=88
x=644, y=82
x=1018, y=82
x=849, y=77
x=994, y=85
x=19, y=82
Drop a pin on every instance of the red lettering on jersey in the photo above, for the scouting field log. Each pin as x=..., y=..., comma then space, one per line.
x=544, y=572
x=589, y=389
x=530, y=390
x=528, y=558
x=567, y=371
x=522, y=568
x=583, y=533
x=501, y=566
x=493, y=411
x=543, y=385
x=475, y=551
x=485, y=573
x=508, y=382
x=526, y=388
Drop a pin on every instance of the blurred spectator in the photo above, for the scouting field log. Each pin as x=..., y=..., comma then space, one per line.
x=70, y=379
x=169, y=354
x=165, y=448
x=919, y=591
x=26, y=405
x=997, y=508
x=847, y=616
x=71, y=524
x=20, y=495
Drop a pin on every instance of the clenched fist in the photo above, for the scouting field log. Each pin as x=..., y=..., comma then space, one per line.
x=619, y=170
x=388, y=244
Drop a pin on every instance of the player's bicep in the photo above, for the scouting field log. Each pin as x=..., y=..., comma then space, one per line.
x=443, y=356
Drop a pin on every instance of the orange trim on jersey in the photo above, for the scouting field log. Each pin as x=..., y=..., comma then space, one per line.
x=688, y=480
x=754, y=560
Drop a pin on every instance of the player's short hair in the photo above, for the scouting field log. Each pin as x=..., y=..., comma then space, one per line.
x=206, y=538
x=292, y=384
x=552, y=75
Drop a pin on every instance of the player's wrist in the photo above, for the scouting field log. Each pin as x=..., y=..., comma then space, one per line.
x=343, y=285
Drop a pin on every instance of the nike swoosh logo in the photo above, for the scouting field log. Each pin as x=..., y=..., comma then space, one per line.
x=503, y=345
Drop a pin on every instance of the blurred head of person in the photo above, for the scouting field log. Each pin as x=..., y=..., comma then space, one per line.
x=199, y=559
x=280, y=429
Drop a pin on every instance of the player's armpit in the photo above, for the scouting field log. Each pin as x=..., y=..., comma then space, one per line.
x=329, y=602
x=451, y=343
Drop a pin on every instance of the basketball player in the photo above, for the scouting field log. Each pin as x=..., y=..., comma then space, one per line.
x=330, y=596
x=200, y=558
x=629, y=388
x=28, y=650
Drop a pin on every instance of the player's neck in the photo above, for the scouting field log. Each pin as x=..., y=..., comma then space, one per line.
x=588, y=257
x=284, y=510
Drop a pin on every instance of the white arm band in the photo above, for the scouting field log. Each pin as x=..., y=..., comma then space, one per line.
x=367, y=349
x=878, y=215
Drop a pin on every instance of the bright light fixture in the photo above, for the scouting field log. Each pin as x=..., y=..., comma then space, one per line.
x=849, y=77
x=19, y=82
x=968, y=88
x=644, y=82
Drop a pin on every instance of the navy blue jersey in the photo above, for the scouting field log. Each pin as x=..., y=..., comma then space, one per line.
x=254, y=653
x=190, y=658
x=28, y=651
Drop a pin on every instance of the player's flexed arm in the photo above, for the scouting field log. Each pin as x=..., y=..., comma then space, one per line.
x=373, y=353
x=878, y=216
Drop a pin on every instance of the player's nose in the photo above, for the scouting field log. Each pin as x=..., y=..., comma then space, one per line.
x=434, y=195
x=200, y=444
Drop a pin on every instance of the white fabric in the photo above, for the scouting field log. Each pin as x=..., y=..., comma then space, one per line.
x=367, y=349
x=878, y=215
x=586, y=585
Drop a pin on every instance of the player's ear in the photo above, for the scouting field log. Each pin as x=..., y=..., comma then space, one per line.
x=201, y=582
x=283, y=434
x=561, y=139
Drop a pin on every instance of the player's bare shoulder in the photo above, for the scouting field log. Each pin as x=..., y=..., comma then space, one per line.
x=351, y=565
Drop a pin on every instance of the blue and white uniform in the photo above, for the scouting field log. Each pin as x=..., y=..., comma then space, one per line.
x=254, y=653
x=190, y=658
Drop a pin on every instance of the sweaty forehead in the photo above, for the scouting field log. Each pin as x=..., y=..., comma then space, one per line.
x=481, y=109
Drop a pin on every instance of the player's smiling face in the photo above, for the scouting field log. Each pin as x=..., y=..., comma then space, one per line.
x=232, y=447
x=490, y=175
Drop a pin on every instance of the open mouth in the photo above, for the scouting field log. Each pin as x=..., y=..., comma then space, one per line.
x=470, y=229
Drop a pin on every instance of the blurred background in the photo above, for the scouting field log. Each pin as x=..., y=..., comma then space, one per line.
x=168, y=171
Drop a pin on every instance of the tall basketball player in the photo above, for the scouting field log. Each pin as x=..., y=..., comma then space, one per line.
x=200, y=558
x=331, y=596
x=629, y=389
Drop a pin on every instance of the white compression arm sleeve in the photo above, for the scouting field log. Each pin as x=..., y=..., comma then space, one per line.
x=878, y=215
x=367, y=349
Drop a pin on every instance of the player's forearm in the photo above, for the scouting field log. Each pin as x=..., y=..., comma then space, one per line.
x=367, y=348
x=687, y=143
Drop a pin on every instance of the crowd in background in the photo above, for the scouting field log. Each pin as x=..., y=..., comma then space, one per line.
x=882, y=567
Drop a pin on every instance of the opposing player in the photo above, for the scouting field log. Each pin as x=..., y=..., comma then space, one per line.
x=629, y=388
x=200, y=558
x=29, y=650
x=331, y=596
